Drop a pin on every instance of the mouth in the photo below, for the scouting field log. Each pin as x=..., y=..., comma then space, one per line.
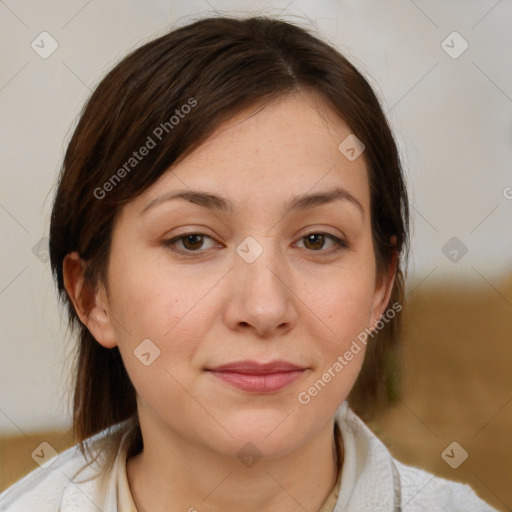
x=257, y=377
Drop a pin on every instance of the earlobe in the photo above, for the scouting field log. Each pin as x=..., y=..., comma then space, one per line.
x=90, y=303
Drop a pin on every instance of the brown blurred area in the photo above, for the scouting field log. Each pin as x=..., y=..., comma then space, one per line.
x=456, y=386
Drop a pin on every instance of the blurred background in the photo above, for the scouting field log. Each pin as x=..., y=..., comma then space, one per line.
x=442, y=71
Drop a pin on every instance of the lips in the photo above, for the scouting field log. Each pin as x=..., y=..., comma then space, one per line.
x=255, y=368
x=258, y=377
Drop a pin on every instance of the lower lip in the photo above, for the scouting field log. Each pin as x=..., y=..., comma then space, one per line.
x=258, y=383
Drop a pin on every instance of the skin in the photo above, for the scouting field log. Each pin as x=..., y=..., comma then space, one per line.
x=303, y=302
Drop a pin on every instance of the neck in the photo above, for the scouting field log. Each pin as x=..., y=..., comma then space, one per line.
x=180, y=477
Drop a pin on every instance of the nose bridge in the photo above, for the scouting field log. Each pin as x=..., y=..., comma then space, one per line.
x=264, y=299
x=260, y=263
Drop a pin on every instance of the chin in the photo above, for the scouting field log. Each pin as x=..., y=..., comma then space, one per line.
x=273, y=432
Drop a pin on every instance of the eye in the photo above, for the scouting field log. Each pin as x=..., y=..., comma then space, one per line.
x=190, y=242
x=316, y=242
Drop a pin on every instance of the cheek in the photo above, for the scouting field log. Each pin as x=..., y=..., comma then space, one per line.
x=173, y=309
x=337, y=330
x=343, y=302
x=154, y=300
x=347, y=318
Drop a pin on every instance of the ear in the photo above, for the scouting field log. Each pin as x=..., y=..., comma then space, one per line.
x=91, y=303
x=384, y=287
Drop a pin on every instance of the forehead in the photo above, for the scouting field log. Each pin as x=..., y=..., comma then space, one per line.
x=269, y=153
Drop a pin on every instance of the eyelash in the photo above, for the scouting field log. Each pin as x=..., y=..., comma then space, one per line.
x=171, y=243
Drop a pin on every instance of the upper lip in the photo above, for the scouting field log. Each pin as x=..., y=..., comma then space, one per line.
x=255, y=368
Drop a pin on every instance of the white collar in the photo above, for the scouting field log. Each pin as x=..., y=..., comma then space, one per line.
x=368, y=480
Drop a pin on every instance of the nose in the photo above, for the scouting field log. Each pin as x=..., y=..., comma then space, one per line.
x=260, y=295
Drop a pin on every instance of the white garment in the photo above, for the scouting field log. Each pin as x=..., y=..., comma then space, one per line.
x=371, y=481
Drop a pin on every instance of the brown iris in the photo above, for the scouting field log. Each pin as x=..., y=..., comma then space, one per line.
x=315, y=241
x=192, y=242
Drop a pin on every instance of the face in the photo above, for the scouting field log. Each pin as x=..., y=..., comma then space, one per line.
x=258, y=275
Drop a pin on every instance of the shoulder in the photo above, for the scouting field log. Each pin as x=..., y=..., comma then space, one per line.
x=422, y=490
x=378, y=478
x=45, y=488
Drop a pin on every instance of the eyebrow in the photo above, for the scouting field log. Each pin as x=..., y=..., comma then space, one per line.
x=215, y=202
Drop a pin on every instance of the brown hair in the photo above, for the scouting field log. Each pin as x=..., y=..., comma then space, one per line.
x=219, y=67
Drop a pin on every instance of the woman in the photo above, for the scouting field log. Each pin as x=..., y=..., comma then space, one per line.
x=229, y=235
